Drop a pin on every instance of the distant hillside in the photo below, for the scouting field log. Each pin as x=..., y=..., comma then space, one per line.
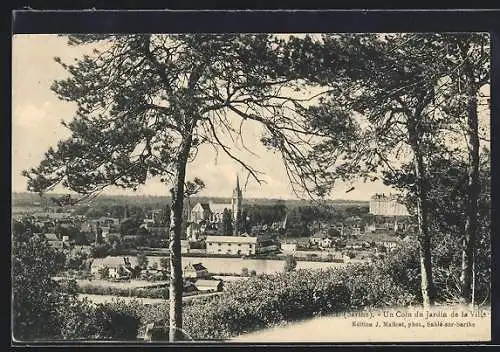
x=26, y=199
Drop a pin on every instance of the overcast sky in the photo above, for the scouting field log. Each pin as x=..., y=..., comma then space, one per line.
x=37, y=113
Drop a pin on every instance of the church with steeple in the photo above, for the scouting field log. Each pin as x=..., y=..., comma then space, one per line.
x=204, y=215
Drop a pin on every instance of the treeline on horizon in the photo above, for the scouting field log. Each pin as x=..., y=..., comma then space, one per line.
x=27, y=199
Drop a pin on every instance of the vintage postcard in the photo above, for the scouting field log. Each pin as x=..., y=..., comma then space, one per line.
x=245, y=188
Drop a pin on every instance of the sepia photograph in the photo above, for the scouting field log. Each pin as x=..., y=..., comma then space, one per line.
x=251, y=187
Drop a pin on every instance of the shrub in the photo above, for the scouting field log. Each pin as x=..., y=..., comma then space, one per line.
x=402, y=266
x=79, y=321
x=351, y=254
x=142, y=260
x=116, y=324
x=110, y=321
x=103, y=272
x=369, y=286
x=99, y=250
x=35, y=294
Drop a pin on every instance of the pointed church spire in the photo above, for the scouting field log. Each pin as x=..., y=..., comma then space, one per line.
x=236, y=206
x=237, y=190
x=283, y=226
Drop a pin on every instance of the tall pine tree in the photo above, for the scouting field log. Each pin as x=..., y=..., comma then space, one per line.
x=146, y=103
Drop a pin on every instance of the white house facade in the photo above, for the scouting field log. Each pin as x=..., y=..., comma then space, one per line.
x=241, y=245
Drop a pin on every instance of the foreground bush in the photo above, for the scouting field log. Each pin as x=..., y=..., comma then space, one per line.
x=110, y=321
x=34, y=292
x=403, y=267
x=270, y=300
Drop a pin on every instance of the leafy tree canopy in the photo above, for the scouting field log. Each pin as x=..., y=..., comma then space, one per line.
x=35, y=294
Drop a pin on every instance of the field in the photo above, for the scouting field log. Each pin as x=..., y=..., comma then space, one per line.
x=98, y=299
x=120, y=285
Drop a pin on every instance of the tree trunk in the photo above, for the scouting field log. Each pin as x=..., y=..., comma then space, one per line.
x=472, y=186
x=424, y=240
x=176, y=281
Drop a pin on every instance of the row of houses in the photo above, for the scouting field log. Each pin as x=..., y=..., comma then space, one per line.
x=105, y=223
x=120, y=267
x=54, y=241
x=53, y=215
x=196, y=276
x=374, y=240
x=356, y=227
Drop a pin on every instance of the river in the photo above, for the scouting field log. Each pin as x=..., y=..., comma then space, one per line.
x=235, y=265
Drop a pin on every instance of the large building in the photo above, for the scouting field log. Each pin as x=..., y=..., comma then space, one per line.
x=383, y=205
x=203, y=214
x=239, y=245
x=231, y=245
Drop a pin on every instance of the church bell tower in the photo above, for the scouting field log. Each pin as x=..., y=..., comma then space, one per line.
x=236, y=205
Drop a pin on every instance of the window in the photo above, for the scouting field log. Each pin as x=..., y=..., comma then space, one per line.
x=239, y=244
x=219, y=244
x=229, y=244
x=219, y=250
